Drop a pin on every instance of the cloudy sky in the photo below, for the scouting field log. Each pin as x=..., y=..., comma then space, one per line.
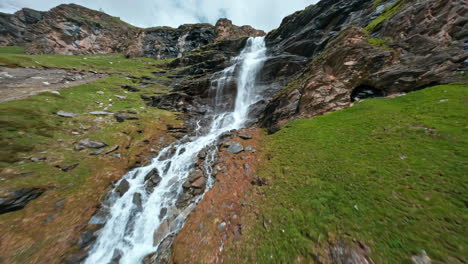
x=262, y=14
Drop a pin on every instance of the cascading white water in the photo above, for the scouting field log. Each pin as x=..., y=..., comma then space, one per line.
x=130, y=228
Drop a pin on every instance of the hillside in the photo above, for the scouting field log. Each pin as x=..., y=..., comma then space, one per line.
x=339, y=137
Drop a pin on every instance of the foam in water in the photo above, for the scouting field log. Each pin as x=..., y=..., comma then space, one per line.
x=129, y=230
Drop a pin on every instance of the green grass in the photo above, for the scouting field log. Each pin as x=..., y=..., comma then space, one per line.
x=110, y=63
x=11, y=50
x=390, y=173
x=388, y=13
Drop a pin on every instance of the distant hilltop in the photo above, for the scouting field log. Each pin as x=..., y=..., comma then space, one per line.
x=73, y=29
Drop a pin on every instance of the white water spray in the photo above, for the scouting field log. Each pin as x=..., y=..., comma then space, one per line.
x=130, y=228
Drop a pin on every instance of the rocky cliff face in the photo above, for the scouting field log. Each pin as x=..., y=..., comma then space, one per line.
x=13, y=27
x=357, y=50
x=166, y=42
x=73, y=29
x=225, y=30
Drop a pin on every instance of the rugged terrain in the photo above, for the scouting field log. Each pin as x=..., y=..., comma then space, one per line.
x=373, y=170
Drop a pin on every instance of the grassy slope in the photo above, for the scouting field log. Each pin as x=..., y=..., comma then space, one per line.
x=110, y=63
x=391, y=173
x=30, y=128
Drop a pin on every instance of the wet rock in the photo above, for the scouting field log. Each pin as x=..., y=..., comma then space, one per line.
x=87, y=238
x=123, y=187
x=234, y=147
x=66, y=114
x=88, y=143
x=161, y=232
x=200, y=183
x=183, y=200
x=116, y=257
x=152, y=180
x=162, y=213
x=121, y=117
x=17, y=200
x=421, y=258
x=194, y=176
x=137, y=201
x=76, y=258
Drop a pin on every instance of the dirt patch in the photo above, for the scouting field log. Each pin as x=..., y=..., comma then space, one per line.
x=19, y=83
x=216, y=221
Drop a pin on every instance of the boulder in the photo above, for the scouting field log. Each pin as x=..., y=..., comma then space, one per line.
x=17, y=200
x=234, y=147
x=66, y=114
x=123, y=187
x=152, y=180
x=89, y=144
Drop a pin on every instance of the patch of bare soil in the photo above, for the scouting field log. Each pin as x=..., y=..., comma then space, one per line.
x=19, y=83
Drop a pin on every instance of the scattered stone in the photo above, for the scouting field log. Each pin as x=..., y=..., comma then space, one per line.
x=121, y=118
x=443, y=100
x=117, y=155
x=69, y=168
x=113, y=149
x=221, y=226
x=55, y=92
x=49, y=219
x=88, y=143
x=234, y=147
x=101, y=113
x=75, y=133
x=123, y=187
x=121, y=97
x=100, y=92
x=97, y=151
x=18, y=199
x=421, y=258
x=37, y=159
x=258, y=181
x=245, y=136
x=250, y=149
x=66, y=114
x=46, y=83
x=60, y=203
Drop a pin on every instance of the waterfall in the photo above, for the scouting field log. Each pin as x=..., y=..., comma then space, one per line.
x=134, y=217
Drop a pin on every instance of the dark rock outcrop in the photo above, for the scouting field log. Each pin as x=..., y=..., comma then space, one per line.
x=17, y=200
x=73, y=29
x=165, y=42
x=14, y=26
x=421, y=45
x=225, y=30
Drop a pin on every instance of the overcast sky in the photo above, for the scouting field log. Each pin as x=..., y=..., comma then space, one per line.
x=262, y=14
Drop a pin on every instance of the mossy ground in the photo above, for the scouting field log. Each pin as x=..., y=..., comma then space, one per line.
x=43, y=232
x=387, y=13
x=390, y=173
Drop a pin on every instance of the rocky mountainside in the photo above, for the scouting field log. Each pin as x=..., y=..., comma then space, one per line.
x=73, y=29
x=14, y=27
x=316, y=176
